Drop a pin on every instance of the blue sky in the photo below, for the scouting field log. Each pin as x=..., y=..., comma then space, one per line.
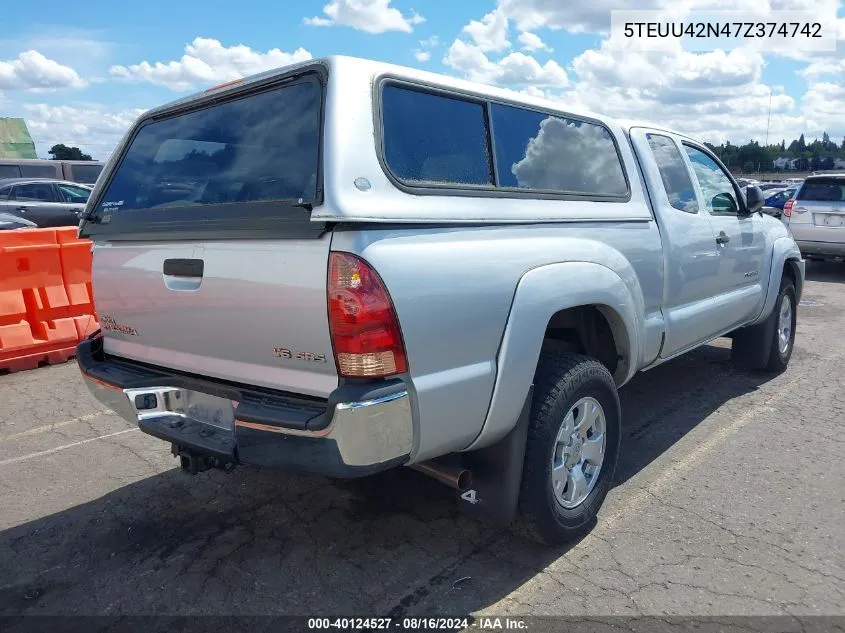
x=80, y=77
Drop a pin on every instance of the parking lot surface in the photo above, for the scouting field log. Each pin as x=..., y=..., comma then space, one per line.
x=729, y=500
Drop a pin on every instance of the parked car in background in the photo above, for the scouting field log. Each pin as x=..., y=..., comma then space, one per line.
x=778, y=197
x=81, y=171
x=44, y=202
x=771, y=186
x=85, y=172
x=816, y=217
x=9, y=221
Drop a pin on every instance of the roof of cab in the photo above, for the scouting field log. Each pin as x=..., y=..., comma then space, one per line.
x=369, y=68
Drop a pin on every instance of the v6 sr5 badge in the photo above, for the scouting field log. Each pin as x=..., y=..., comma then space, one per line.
x=283, y=352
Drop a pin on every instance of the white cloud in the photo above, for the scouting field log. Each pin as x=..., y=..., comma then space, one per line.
x=715, y=95
x=207, y=61
x=490, y=33
x=824, y=66
x=423, y=53
x=34, y=72
x=737, y=118
x=670, y=76
x=514, y=69
x=592, y=16
x=372, y=16
x=64, y=44
x=532, y=42
x=93, y=128
x=823, y=106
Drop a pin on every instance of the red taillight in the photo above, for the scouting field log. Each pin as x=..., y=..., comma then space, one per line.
x=787, y=207
x=365, y=332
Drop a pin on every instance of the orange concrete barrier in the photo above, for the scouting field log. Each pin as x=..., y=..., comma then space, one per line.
x=46, y=304
x=76, y=272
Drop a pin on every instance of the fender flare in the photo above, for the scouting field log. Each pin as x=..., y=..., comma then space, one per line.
x=784, y=249
x=540, y=293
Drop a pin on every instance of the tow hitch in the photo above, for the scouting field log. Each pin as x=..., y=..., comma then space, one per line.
x=194, y=463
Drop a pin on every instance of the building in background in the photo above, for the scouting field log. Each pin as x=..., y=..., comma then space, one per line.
x=15, y=141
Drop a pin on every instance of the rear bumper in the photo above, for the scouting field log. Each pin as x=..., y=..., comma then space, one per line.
x=824, y=249
x=358, y=431
x=818, y=240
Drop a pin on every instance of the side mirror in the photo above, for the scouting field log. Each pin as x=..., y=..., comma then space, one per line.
x=754, y=199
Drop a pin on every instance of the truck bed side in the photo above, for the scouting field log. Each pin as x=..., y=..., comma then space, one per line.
x=453, y=289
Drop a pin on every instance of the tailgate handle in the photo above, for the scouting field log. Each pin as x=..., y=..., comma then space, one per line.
x=184, y=267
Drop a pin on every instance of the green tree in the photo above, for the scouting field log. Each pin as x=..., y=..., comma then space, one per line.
x=63, y=152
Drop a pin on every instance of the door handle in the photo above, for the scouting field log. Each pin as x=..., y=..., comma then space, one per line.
x=21, y=209
x=722, y=238
x=183, y=274
x=184, y=267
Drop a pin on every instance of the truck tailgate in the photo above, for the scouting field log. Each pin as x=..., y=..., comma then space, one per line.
x=246, y=311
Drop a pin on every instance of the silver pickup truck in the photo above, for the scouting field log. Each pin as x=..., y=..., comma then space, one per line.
x=342, y=266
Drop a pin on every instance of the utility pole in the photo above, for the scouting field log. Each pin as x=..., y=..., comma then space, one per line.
x=769, y=117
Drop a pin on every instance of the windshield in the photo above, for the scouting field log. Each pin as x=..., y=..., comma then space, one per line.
x=259, y=147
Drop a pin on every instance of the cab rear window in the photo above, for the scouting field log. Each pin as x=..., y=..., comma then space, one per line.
x=223, y=158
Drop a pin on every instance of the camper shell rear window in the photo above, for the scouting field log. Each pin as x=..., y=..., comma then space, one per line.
x=247, y=162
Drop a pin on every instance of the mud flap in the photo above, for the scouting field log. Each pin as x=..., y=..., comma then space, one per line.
x=752, y=346
x=497, y=474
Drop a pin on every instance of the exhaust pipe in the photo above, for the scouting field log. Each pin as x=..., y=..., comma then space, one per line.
x=455, y=477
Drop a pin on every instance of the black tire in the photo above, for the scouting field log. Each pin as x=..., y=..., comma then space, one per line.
x=757, y=347
x=562, y=379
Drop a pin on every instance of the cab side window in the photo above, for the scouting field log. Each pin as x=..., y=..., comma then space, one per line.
x=720, y=197
x=35, y=192
x=76, y=195
x=4, y=193
x=673, y=173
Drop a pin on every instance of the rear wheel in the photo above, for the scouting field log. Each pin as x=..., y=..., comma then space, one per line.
x=768, y=346
x=572, y=448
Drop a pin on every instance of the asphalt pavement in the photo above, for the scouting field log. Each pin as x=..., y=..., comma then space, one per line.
x=729, y=500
